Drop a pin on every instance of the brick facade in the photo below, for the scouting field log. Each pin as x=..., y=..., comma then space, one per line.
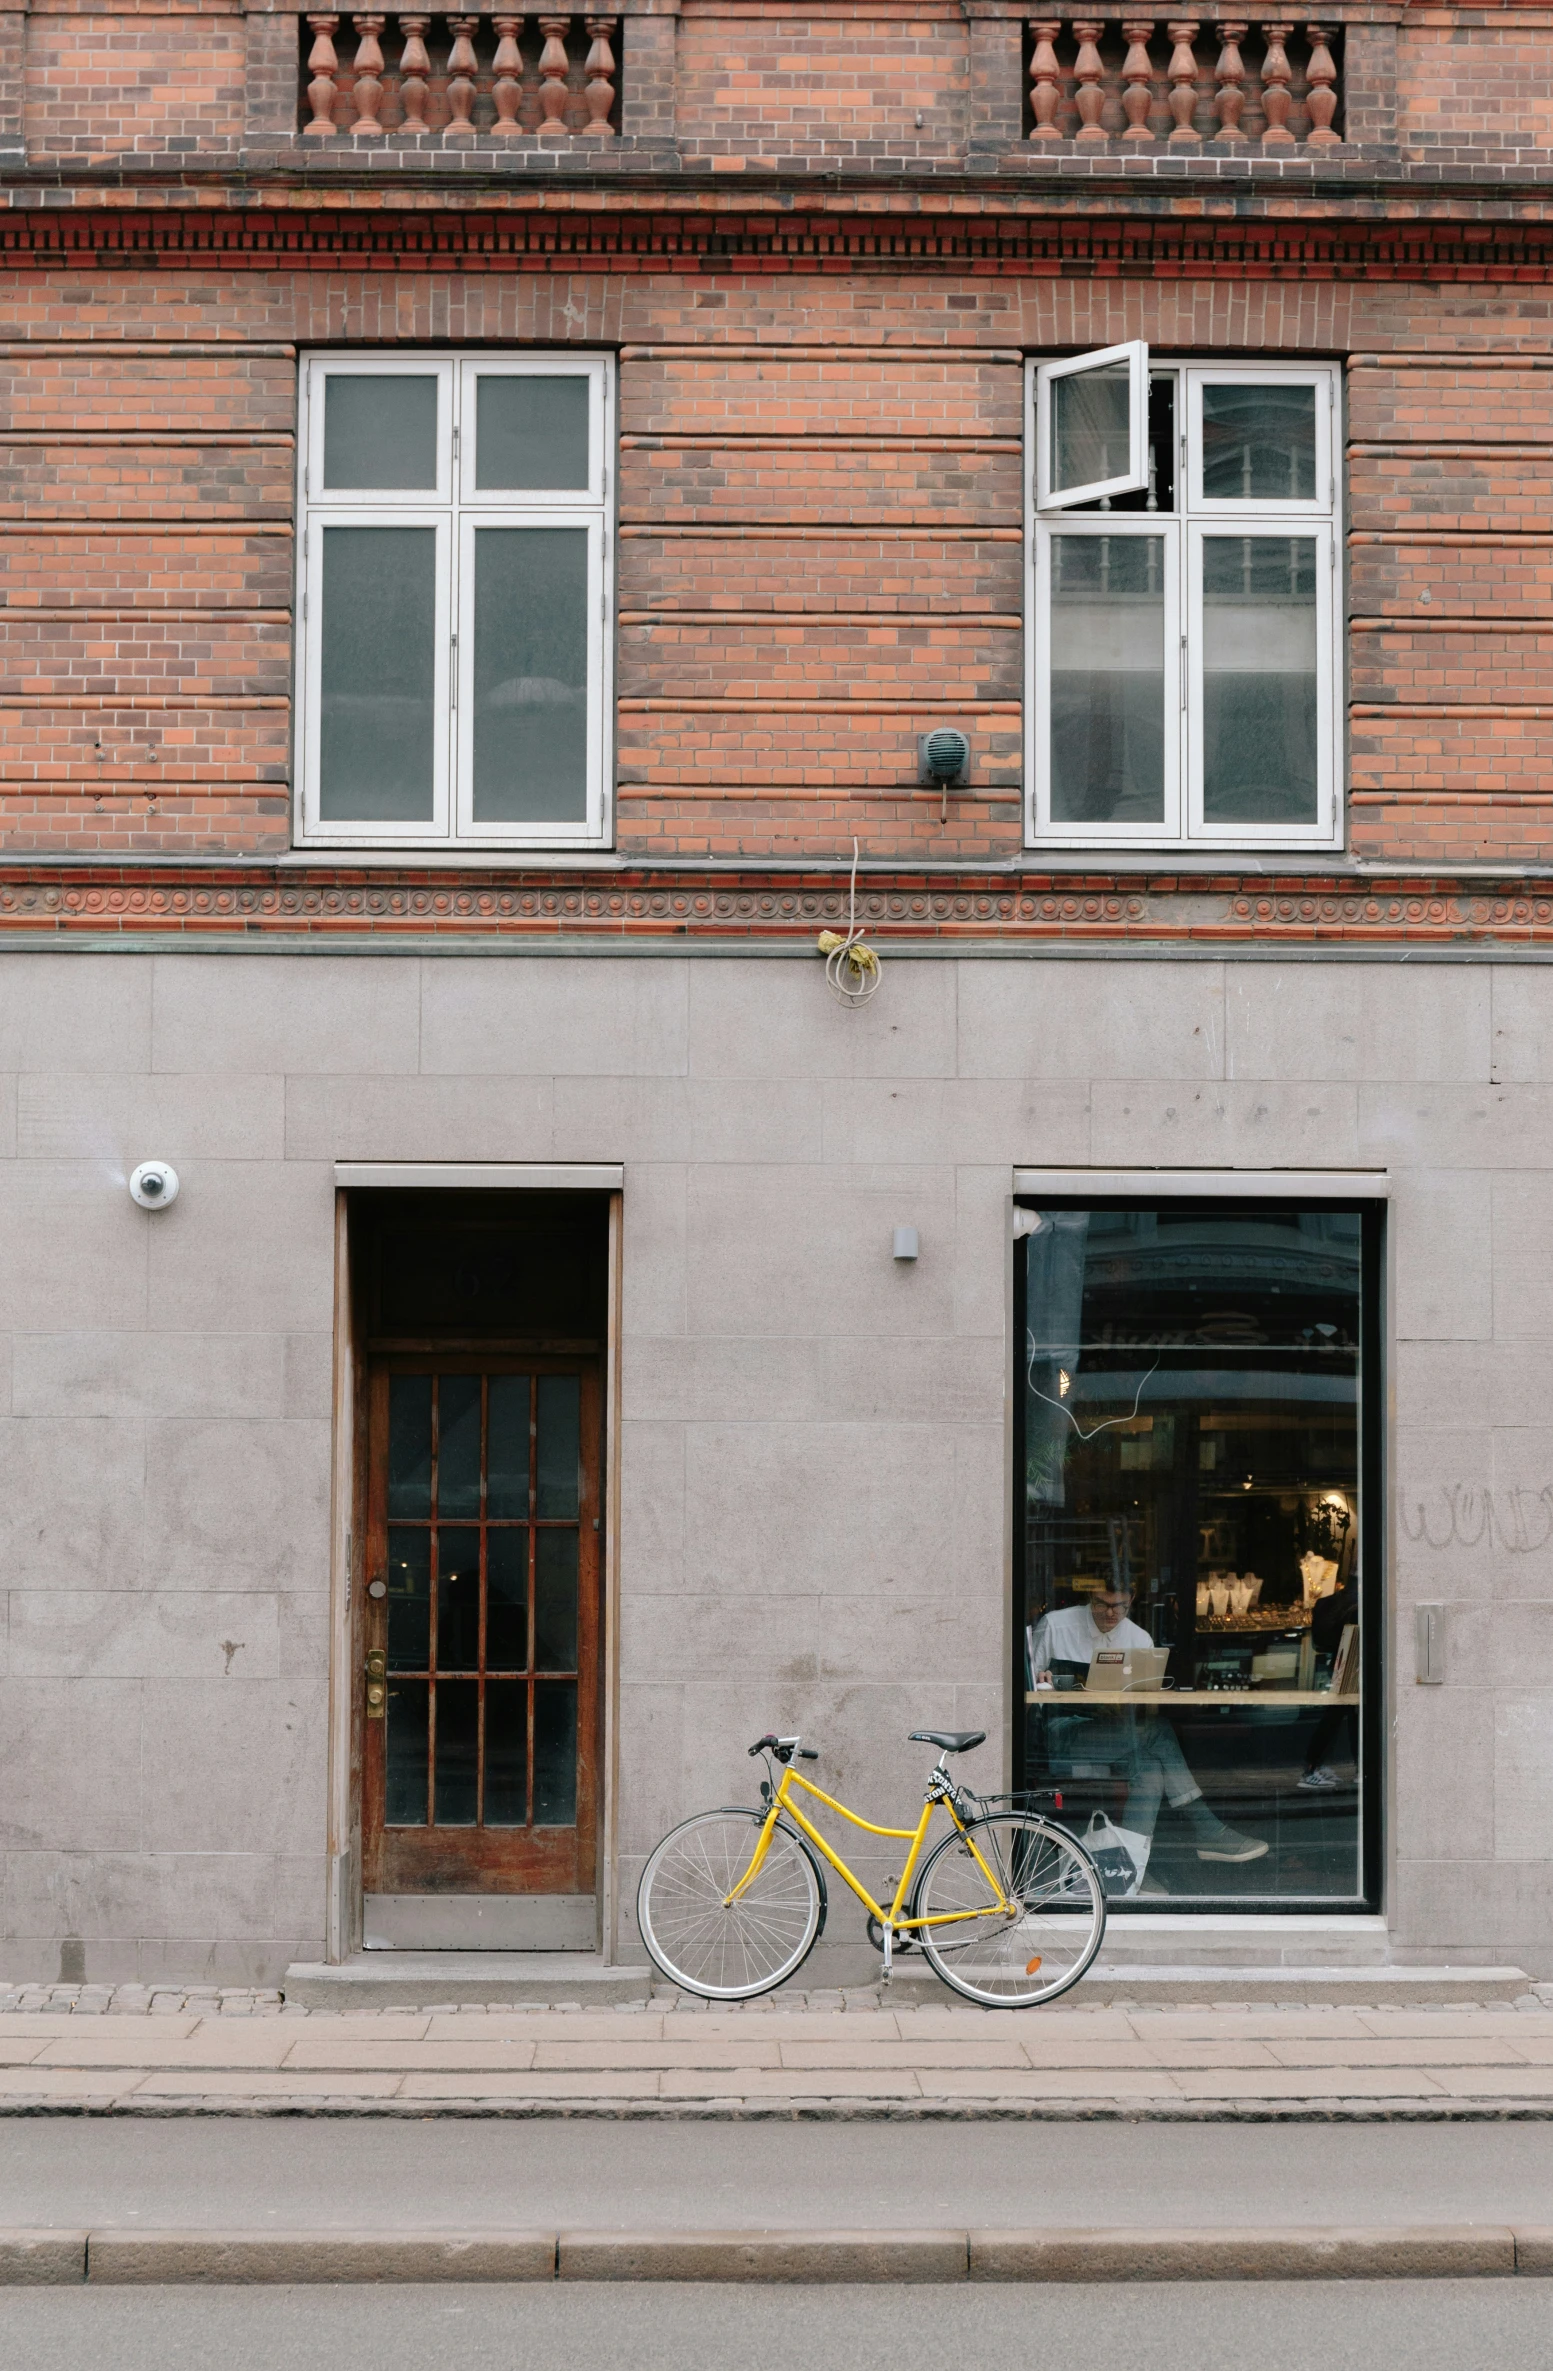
x=820, y=405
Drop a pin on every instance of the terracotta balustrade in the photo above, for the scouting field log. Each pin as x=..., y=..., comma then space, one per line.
x=474, y=76
x=1204, y=83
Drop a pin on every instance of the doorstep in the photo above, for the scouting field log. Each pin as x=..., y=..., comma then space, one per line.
x=426, y=1979
x=1339, y=1960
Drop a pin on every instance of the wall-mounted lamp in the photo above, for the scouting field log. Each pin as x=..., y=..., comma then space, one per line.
x=154, y=1184
x=906, y=1243
x=944, y=763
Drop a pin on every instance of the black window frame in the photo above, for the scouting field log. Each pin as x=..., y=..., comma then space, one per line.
x=1371, y=1213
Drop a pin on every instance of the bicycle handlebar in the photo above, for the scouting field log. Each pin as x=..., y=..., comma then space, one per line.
x=786, y=1749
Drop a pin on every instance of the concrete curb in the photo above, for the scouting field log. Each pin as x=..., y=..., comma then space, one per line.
x=121, y=2258
x=158, y=2258
x=808, y=2256
x=1450, y=2252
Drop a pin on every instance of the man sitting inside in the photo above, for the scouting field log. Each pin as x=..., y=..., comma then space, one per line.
x=1139, y=1745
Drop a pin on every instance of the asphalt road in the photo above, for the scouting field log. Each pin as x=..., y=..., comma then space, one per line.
x=1485, y=2325
x=387, y=2172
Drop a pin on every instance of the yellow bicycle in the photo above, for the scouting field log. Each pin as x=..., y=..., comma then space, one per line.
x=1008, y=1909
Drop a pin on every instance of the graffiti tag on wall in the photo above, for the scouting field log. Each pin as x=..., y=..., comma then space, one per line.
x=1464, y=1514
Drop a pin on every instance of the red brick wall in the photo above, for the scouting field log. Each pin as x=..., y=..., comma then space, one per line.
x=819, y=552
x=133, y=80
x=757, y=80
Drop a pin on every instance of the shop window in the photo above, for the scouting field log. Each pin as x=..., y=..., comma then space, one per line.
x=1196, y=1525
x=454, y=597
x=1183, y=599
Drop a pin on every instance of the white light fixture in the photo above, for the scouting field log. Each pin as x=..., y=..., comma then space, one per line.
x=906, y=1244
x=154, y=1184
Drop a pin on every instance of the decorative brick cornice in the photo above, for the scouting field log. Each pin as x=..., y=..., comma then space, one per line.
x=1303, y=244
x=340, y=905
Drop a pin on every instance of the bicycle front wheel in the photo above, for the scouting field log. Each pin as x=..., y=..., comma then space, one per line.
x=723, y=1950
x=1021, y=1929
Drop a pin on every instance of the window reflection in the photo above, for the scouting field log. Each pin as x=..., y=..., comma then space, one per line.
x=1191, y=1530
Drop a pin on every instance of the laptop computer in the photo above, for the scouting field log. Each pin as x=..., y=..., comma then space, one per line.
x=1119, y=1670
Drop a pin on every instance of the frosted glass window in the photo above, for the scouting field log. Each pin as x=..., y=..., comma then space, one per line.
x=377, y=674
x=1259, y=678
x=1258, y=444
x=453, y=666
x=1091, y=426
x=531, y=433
x=531, y=674
x=1184, y=621
x=1108, y=678
x=380, y=431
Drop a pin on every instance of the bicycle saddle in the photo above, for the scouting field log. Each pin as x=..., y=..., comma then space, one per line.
x=953, y=1741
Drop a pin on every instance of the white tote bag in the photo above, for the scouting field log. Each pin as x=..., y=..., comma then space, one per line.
x=1120, y=1854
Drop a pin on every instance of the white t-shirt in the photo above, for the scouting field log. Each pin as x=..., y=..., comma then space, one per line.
x=1071, y=1635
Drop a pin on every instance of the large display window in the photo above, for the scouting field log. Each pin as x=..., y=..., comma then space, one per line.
x=1197, y=1529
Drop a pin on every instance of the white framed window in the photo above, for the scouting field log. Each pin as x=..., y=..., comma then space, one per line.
x=1184, y=627
x=455, y=601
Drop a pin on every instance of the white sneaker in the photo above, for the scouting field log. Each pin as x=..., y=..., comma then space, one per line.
x=1319, y=1782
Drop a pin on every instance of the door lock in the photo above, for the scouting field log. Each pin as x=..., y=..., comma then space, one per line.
x=377, y=1693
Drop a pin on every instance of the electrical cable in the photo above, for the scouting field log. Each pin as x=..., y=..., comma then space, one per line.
x=852, y=971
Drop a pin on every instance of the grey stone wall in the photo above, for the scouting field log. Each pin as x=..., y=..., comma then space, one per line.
x=814, y=1460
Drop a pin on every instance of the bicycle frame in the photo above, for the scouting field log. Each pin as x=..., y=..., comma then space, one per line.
x=891, y=1922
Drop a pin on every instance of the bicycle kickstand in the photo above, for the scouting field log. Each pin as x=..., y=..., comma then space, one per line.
x=888, y=1936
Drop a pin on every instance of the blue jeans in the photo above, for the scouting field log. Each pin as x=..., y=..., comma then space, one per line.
x=1140, y=1747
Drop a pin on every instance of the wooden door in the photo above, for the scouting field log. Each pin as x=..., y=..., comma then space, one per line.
x=481, y=1647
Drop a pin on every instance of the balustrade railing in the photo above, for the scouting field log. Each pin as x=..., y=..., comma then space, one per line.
x=453, y=78
x=1183, y=82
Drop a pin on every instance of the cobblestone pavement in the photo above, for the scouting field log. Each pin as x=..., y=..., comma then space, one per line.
x=816, y=2052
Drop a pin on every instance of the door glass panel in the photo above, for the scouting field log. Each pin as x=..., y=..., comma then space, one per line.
x=377, y=675
x=1091, y=419
x=1107, y=678
x=458, y=1445
x=506, y=1481
x=1259, y=444
x=1259, y=679
x=506, y=1600
x=531, y=433
x=409, y=1598
x=380, y=431
x=555, y=1601
x=560, y=1443
x=457, y=1719
x=1193, y=1401
x=555, y=1754
x=531, y=675
x=458, y=1598
x=409, y=1446
x=506, y=1753
x=405, y=1788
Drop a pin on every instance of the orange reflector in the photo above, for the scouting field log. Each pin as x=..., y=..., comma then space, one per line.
x=1032, y=1965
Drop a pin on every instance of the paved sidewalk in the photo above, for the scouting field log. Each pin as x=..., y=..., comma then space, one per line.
x=142, y=2052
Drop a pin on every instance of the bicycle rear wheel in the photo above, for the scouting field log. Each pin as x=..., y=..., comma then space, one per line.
x=1030, y=1938
x=728, y=1951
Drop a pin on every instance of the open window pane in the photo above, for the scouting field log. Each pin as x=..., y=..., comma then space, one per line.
x=531, y=433
x=377, y=675
x=1258, y=443
x=380, y=431
x=530, y=694
x=1260, y=706
x=1093, y=425
x=1107, y=598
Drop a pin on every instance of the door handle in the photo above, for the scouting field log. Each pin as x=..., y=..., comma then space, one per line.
x=377, y=1692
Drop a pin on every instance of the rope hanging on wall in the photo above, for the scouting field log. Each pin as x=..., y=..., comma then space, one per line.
x=852, y=971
